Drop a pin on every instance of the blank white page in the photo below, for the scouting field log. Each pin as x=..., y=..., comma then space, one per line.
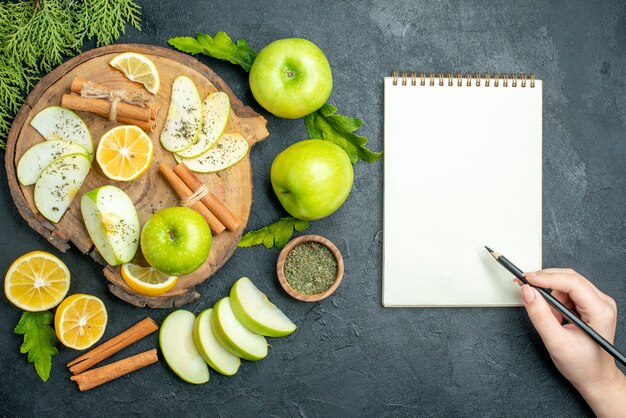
x=462, y=170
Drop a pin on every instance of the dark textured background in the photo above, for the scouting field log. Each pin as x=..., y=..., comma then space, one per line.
x=351, y=357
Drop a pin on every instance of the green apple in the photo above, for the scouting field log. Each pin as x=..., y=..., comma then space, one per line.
x=233, y=335
x=254, y=310
x=59, y=183
x=112, y=222
x=176, y=240
x=215, y=119
x=56, y=122
x=179, y=350
x=312, y=178
x=291, y=78
x=37, y=157
x=220, y=359
x=184, y=116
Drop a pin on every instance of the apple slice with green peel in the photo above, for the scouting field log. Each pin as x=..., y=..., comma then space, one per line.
x=228, y=151
x=37, y=157
x=216, y=115
x=112, y=222
x=220, y=359
x=58, y=183
x=254, y=310
x=179, y=350
x=233, y=335
x=56, y=122
x=184, y=116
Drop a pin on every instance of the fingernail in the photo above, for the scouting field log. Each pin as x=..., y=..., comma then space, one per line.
x=531, y=274
x=527, y=294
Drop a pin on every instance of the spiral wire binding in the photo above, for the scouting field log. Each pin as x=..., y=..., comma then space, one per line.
x=470, y=79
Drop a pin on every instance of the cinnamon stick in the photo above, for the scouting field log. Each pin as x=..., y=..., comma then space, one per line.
x=96, y=377
x=113, y=345
x=211, y=201
x=183, y=192
x=78, y=83
x=102, y=107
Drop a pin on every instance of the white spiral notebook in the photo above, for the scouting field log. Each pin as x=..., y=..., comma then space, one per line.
x=463, y=169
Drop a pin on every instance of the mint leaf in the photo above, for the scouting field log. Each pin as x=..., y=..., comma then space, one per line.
x=39, y=340
x=276, y=234
x=220, y=47
x=326, y=124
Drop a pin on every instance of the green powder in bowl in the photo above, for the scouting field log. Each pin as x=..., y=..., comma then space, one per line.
x=310, y=268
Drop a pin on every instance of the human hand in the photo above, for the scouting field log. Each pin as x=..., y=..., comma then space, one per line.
x=580, y=359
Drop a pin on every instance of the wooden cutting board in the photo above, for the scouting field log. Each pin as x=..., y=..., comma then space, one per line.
x=150, y=192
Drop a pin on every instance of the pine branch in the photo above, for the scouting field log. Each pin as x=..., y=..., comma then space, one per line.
x=36, y=35
x=42, y=35
x=106, y=20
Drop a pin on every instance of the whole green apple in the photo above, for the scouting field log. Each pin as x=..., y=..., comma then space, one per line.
x=312, y=178
x=291, y=78
x=176, y=240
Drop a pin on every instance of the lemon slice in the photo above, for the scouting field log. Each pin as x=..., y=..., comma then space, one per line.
x=147, y=280
x=124, y=153
x=137, y=67
x=80, y=321
x=37, y=281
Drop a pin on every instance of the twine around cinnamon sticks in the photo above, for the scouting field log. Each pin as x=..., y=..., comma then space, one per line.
x=196, y=195
x=89, y=379
x=125, y=106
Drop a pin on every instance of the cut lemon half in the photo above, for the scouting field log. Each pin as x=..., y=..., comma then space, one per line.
x=80, y=321
x=37, y=281
x=139, y=68
x=124, y=153
x=147, y=280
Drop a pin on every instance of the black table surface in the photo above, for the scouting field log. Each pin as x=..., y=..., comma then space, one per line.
x=350, y=356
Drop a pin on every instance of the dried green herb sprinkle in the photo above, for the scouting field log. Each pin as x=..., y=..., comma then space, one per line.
x=310, y=268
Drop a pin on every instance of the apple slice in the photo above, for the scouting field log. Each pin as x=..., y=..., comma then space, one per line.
x=228, y=151
x=56, y=122
x=58, y=183
x=179, y=351
x=112, y=222
x=220, y=359
x=37, y=157
x=184, y=116
x=254, y=310
x=216, y=115
x=235, y=337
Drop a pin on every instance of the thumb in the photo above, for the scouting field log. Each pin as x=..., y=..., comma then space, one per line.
x=541, y=316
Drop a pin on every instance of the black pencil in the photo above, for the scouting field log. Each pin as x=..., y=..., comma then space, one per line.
x=571, y=317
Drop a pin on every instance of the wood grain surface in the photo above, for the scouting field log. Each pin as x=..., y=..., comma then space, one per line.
x=150, y=192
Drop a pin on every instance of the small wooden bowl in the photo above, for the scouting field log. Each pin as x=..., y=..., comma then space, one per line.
x=281, y=264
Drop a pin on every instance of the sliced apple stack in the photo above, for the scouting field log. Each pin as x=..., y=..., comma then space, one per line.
x=194, y=129
x=224, y=334
x=59, y=166
x=112, y=222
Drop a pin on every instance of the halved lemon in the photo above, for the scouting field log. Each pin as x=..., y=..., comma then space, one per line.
x=147, y=280
x=124, y=153
x=80, y=321
x=139, y=68
x=37, y=281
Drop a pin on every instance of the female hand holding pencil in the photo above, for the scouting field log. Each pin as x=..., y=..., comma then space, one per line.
x=591, y=370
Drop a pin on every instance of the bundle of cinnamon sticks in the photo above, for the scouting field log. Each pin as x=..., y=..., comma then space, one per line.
x=195, y=195
x=89, y=379
x=143, y=116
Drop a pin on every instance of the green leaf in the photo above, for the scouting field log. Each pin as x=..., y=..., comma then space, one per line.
x=276, y=234
x=326, y=124
x=220, y=47
x=39, y=340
